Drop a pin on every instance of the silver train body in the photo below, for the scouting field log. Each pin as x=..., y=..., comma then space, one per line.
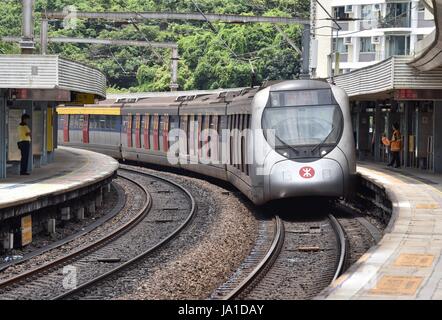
x=286, y=140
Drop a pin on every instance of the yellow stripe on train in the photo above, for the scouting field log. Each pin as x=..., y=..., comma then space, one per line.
x=82, y=110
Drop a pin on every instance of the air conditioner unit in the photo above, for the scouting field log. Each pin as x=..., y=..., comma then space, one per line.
x=376, y=40
x=347, y=40
x=348, y=9
x=377, y=7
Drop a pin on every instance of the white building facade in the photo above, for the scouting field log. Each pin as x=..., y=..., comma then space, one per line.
x=370, y=31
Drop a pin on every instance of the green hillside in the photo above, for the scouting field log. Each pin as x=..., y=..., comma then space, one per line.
x=206, y=61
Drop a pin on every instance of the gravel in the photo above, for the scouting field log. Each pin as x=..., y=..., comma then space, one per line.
x=201, y=258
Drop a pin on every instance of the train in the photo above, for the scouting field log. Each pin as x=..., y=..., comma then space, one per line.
x=282, y=140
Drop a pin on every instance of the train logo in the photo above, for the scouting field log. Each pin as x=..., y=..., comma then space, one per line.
x=307, y=172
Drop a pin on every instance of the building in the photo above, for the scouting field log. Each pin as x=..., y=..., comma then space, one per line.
x=370, y=31
x=387, y=56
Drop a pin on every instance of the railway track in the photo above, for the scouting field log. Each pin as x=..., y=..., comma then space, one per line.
x=155, y=223
x=273, y=266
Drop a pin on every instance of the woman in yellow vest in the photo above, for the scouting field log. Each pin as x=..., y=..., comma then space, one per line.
x=24, y=144
x=395, y=146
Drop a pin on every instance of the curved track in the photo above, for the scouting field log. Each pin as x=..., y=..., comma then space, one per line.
x=111, y=253
x=277, y=249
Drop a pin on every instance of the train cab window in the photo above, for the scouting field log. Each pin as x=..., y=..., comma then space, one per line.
x=303, y=123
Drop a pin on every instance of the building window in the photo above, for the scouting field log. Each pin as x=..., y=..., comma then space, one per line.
x=398, y=45
x=339, y=13
x=397, y=16
x=366, y=12
x=366, y=45
x=338, y=44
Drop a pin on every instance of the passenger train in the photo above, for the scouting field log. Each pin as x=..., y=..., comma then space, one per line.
x=281, y=140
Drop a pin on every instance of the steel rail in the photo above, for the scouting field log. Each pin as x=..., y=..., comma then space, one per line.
x=264, y=265
x=342, y=245
x=88, y=248
x=148, y=251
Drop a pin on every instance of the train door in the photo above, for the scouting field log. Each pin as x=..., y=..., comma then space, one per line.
x=86, y=129
x=230, y=137
x=129, y=131
x=156, y=121
x=137, y=131
x=199, y=130
x=243, y=143
x=235, y=141
x=166, y=124
x=185, y=128
x=146, y=131
x=66, y=128
x=205, y=149
x=214, y=145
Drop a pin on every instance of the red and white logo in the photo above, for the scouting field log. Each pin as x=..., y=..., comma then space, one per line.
x=307, y=172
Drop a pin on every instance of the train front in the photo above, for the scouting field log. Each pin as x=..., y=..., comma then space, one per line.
x=309, y=140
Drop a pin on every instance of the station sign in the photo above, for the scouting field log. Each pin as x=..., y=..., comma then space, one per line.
x=26, y=230
x=40, y=95
x=417, y=94
x=83, y=98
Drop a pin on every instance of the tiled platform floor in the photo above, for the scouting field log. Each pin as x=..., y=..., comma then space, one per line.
x=407, y=262
x=72, y=169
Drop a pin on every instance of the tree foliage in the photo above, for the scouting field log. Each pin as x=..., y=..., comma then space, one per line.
x=208, y=59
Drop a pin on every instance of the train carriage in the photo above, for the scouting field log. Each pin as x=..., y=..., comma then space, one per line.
x=282, y=140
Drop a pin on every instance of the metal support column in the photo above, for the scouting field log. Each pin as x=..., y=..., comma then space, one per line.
x=437, y=136
x=44, y=154
x=305, y=69
x=378, y=132
x=406, y=133
x=27, y=41
x=3, y=142
x=44, y=36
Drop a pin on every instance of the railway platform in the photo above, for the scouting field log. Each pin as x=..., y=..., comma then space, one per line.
x=73, y=181
x=407, y=262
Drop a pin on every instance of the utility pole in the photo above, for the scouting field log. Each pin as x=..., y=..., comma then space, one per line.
x=27, y=41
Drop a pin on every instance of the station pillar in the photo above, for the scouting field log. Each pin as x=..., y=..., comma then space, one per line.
x=3, y=136
x=378, y=132
x=437, y=134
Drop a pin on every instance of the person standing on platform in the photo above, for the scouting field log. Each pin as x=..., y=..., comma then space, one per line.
x=24, y=144
x=395, y=146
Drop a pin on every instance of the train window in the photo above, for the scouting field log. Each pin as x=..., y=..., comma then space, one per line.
x=202, y=136
x=174, y=123
x=195, y=136
x=73, y=122
x=142, y=126
x=113, y=122
x=231, y=139
x=151, y=131
x=160, y=134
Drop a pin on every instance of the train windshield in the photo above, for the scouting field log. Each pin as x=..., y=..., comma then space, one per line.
x=303, y=123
